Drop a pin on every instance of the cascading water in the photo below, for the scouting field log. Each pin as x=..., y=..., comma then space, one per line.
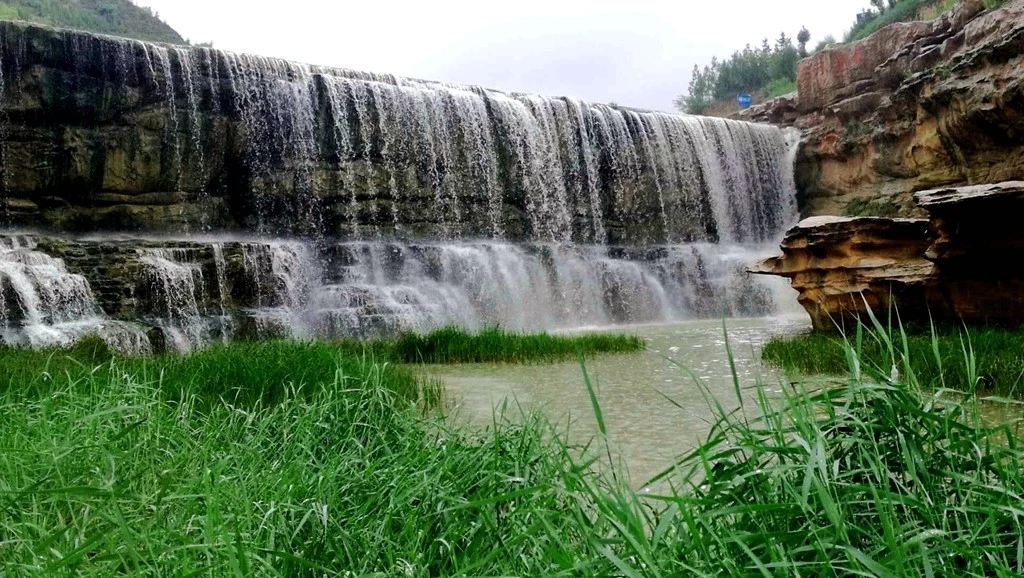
x=375, y=287
x=421, y=203
x=42, y=304
x=174, y=286
x=334, y=153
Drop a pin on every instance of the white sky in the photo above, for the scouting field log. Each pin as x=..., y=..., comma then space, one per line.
x=633, y=52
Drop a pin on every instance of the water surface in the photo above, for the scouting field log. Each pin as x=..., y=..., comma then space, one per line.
x=646, y=430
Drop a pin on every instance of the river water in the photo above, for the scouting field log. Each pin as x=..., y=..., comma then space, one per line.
x=646, y=431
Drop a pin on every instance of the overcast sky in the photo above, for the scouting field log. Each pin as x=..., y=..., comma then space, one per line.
x=633, y=52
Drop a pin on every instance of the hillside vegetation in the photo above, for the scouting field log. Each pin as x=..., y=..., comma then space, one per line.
x=115, y=17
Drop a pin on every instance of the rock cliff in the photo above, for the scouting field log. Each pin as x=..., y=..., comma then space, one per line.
x=965, y=264
x=916, y=105
x=841, y=266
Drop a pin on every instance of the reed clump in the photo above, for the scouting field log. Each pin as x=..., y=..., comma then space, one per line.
x=876, y=473
x=998, y=356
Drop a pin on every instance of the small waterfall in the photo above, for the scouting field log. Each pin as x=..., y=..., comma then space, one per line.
x=175, y=287
x=197, y=157
x=4, y=167
x=41, y=303
x=280, y=275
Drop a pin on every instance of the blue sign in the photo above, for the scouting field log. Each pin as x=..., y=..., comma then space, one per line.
x=743, y=100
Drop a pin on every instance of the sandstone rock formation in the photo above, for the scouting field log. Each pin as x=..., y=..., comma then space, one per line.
x=977, y=229
x=914, y=106
x=963, y=265
x=842, y=265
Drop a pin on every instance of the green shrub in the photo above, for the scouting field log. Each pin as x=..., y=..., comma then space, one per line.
x=780, y=87
x=116, y=17
x=872, y=208
x=91, y=348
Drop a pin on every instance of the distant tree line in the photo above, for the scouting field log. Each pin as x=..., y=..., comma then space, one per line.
x=769, y=67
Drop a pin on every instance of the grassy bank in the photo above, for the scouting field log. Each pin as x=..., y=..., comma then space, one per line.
x=103, y=473
x=244, y=373
x=997, y=355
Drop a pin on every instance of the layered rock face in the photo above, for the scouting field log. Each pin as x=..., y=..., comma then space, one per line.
x=965, y=264
x=915, y=106
x=101, y=133
x=841, y=266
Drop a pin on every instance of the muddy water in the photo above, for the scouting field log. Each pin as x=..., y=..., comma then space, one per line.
x=646, y=430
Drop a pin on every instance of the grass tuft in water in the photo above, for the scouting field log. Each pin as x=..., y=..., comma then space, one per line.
x=495, y=345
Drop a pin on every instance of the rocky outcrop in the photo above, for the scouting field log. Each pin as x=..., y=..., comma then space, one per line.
x=965, y=264
x=781, y=111
x=976, y=229
x=841, y=266
x=104, y=133
x=915, y=106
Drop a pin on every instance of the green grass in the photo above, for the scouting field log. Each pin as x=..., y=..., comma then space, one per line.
x=903, y=11
x=262, y=370
x=102, y=476
x=102, y=473
x=998, y=353
x=780, y=87
x=244, y=373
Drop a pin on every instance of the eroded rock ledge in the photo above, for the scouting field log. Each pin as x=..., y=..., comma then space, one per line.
x=962, y=264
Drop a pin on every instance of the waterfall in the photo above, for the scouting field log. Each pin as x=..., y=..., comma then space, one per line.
x=174, y=287
x=395, y=287
x=40, y=301
x=322, y=152
x=406, y=204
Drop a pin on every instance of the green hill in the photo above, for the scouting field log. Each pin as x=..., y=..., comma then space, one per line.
x=116, y=17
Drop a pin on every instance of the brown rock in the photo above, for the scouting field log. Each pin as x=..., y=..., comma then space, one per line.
x=950, y=111
x=780, y=111
x=822, y=76
x=964, y=265
x=977, y=230
x=842, y=266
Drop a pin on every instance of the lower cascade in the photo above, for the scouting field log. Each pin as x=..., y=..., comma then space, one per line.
x=152, y=295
